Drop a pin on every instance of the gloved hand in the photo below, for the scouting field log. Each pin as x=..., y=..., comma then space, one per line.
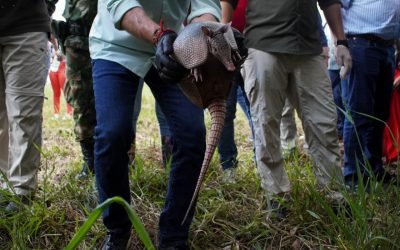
x=242, y=49
x=343, y=59
x=169, y=69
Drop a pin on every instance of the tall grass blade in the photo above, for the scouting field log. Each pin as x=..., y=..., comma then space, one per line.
x=136, y=222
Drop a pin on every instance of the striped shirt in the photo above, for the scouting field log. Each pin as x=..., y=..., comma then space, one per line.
x=375, y=17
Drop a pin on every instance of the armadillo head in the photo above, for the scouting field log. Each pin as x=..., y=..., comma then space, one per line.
x=218, y=45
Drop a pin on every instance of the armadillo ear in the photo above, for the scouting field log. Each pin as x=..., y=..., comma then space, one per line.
x=207, y=31
x=225, y=27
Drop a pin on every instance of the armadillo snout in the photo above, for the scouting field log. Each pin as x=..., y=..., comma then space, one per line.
x=230, y=66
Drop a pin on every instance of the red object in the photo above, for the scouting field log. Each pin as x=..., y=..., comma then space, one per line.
x=57, y=79
x=391, y=134
x=239, y=16
x=158, y=33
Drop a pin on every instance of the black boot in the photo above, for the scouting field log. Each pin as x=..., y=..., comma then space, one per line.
x=87, y=147
x=166, y=149
x=116, y=241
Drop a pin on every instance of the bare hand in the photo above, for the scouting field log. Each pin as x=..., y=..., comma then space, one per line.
x=343, y=59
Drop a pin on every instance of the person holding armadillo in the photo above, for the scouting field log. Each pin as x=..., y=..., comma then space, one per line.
x=130, y=40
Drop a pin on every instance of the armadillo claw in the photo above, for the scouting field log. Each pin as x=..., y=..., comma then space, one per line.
x=196, y=73
x=236, y=57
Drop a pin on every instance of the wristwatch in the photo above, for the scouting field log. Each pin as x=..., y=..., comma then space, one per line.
x=342, y=42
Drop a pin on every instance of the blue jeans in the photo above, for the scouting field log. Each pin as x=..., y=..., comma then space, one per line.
x=227, y=147
x=162, y=121
x=369, y=94
x=115, y=88
x=339, y=88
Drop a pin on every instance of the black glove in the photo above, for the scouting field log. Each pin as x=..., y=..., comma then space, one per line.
x=242, y=49
x=169, y=69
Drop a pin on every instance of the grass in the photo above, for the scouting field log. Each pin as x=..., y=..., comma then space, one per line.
x=228, y=216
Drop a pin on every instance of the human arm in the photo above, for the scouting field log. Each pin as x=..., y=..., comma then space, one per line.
x=323, y=40
x=51, y=6
x=333, y=16
x=138, y=23
x=227, y=7
x=129, y=15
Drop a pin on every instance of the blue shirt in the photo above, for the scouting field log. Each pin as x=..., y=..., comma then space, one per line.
x=107, y=40
x=375, y=17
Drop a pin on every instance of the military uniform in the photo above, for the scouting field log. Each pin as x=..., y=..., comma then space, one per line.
x=78, y=90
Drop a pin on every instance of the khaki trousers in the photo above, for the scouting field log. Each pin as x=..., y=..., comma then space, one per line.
x=288, y=128
x=269, y=79
x=23, y=72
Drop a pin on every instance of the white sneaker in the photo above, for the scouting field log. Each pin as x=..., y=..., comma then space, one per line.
x=67, y=117
x=229, y=175
x=56, y=117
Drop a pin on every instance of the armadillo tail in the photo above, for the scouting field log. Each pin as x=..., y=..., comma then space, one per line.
x=217, y=111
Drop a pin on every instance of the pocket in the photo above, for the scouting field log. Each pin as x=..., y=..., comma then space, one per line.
x=249, y=76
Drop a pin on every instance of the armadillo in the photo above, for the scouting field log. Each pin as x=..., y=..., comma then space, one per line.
x=209, y=51
x=194, y=44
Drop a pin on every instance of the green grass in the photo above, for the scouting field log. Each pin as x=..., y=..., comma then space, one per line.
x=228, y=216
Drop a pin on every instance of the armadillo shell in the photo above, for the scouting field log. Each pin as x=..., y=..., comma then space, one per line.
x=190, y=47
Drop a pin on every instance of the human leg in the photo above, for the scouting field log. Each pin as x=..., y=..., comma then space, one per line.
x=4, y=139
x=338, y=98
x=265, y=83
x=186, y=122
x=24, y=94
x=136, y=113
x=115, y=88
x=227, y=147
x=61, y=77
x=288, y=129
x=311, y=94
x=245, y=105
x=55, y=86
x=138, y=104
x=369, y=92
x=242, y=98
x=78, y=91
x=166, y=137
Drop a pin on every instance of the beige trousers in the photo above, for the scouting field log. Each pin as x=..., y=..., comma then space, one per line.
x=269, y=79
x=288, y=127
x=23, y=71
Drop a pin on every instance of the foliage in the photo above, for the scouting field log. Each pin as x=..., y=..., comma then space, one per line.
x=228, y=215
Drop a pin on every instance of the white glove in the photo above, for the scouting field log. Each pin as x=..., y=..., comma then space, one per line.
x=343, y=59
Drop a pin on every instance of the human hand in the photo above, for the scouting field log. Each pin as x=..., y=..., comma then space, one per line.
x=343, y=59
x=168, y=68
x=325, y=54
x=242, y=49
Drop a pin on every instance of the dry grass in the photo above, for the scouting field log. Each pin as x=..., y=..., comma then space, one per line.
x=228, y=216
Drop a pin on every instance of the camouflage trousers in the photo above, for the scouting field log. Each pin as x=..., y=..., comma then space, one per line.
x=79, y=93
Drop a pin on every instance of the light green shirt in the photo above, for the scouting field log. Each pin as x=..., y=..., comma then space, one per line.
x=107, y=40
